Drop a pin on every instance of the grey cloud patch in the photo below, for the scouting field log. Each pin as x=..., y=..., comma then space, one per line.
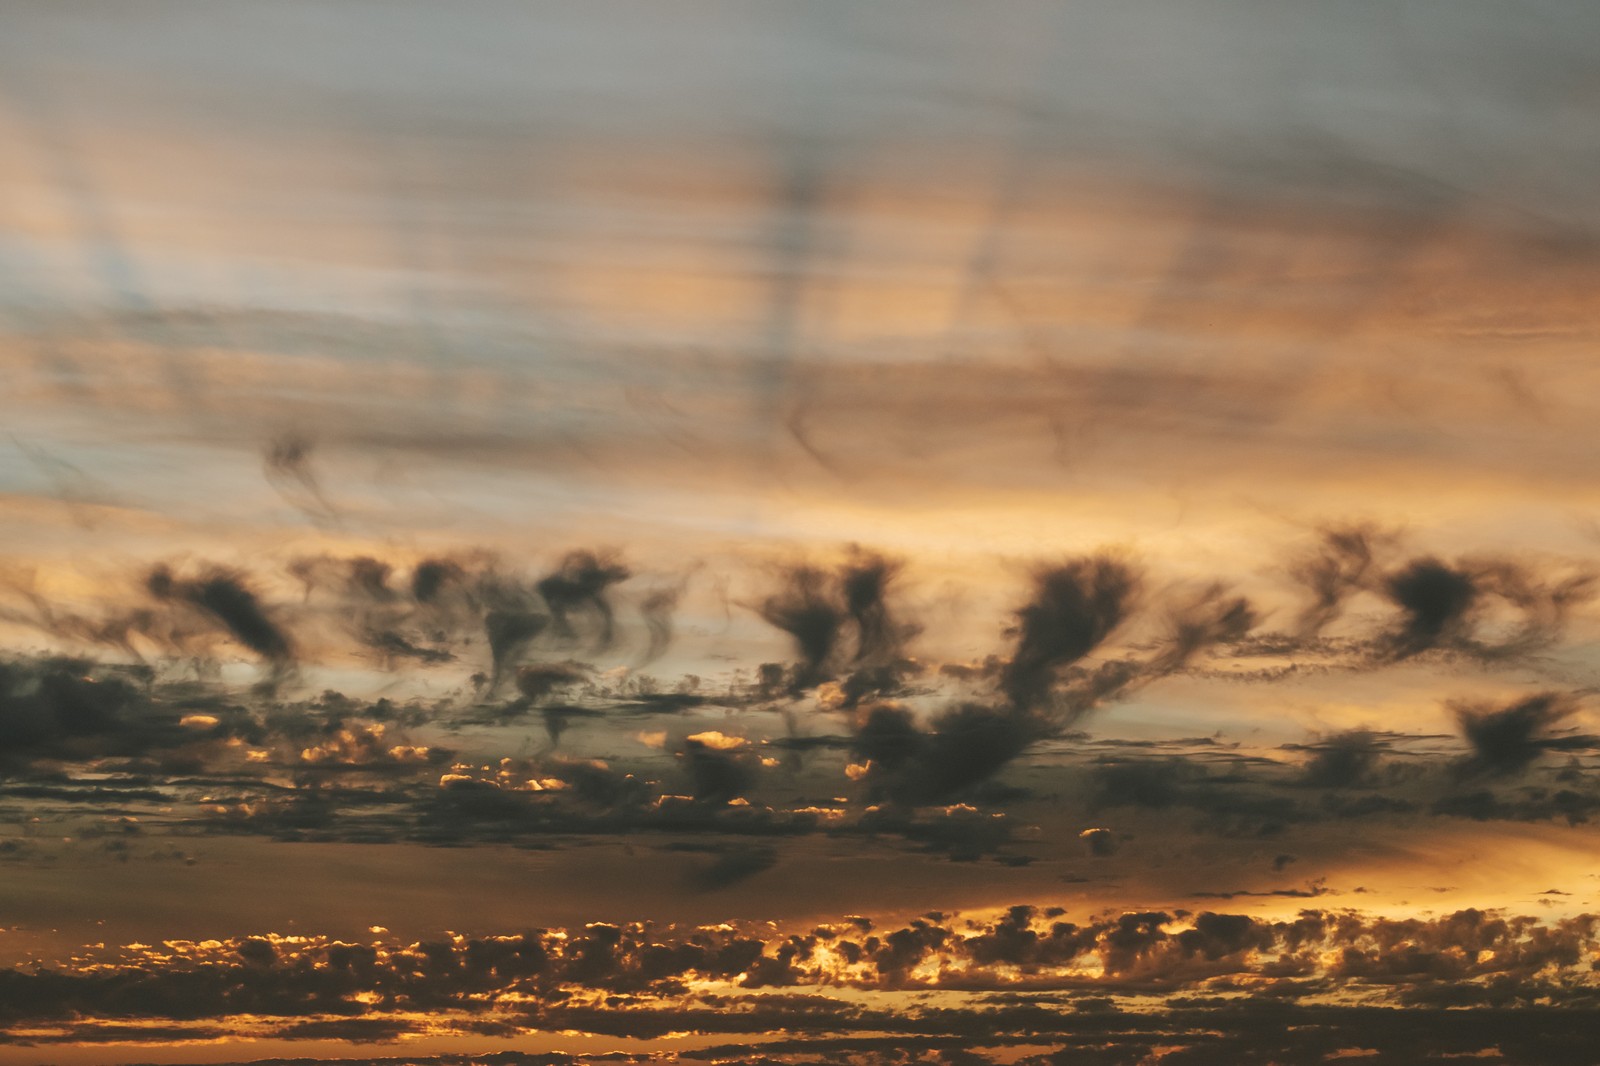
x=1211, y=618
x=1442, y=605
x=1338, y=568
x=657, y=608
x=371, y=610
x=1100, y=842
x=430, y=577
x=731, y=866
x=510, y=633
x=287, y=464
x=537, y=681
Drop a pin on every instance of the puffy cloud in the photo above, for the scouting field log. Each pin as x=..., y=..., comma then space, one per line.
x=1003, y=977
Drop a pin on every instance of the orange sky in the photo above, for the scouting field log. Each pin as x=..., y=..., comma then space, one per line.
x=499, y=469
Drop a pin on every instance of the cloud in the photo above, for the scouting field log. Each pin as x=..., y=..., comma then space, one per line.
x=287, y=464
x=1337, y=569
x=818, y=609
x=509, y=633
x=1074, y=608
x=1440, y=605
x=1507, y=740
x=965, y=745
x=431, y=577
x=1210, y=618
x=1198, y=985
x=224, y=596
x=1343, y=760
x=719, y=772
x=58, y=706
x=579, y=585
x=1436, y=600
x=1100, y=842
x=733, y=865
x=807, y=610
x=539, y=680
x=656, y=608
x=371, y=610
x=864, y=582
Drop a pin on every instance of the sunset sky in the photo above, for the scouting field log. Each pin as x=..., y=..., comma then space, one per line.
x=721, y=532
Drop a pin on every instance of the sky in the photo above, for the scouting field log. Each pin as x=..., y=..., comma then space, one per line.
x=720, y=532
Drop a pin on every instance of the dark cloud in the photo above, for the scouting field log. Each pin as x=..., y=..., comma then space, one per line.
x=371, y=610
x=1442, y=604
x=448, y=603
x=510, y=633
x=1436, y=601
x=116, y=630
x=369, y=578
x=1213, y=617
x=579, y=586
x=1344, y=760
x=1206, y=987
x=1507, y=740
x=865, y=583
x=1152, y=783
x=392, y=647
x=225, y=596
x=966, y=745
x=717, y=774
x=537, y=681
x=818, y=608
x=431, y=577
x=808, y=611
x=598, y=784
x=887, y=737
x=1216, y=936
x=1101, y=843
x=1542, y=602
x=1193, y=625
x=1074, y=608
x=885, y=681
x=59, y=705
x=1526, y=804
